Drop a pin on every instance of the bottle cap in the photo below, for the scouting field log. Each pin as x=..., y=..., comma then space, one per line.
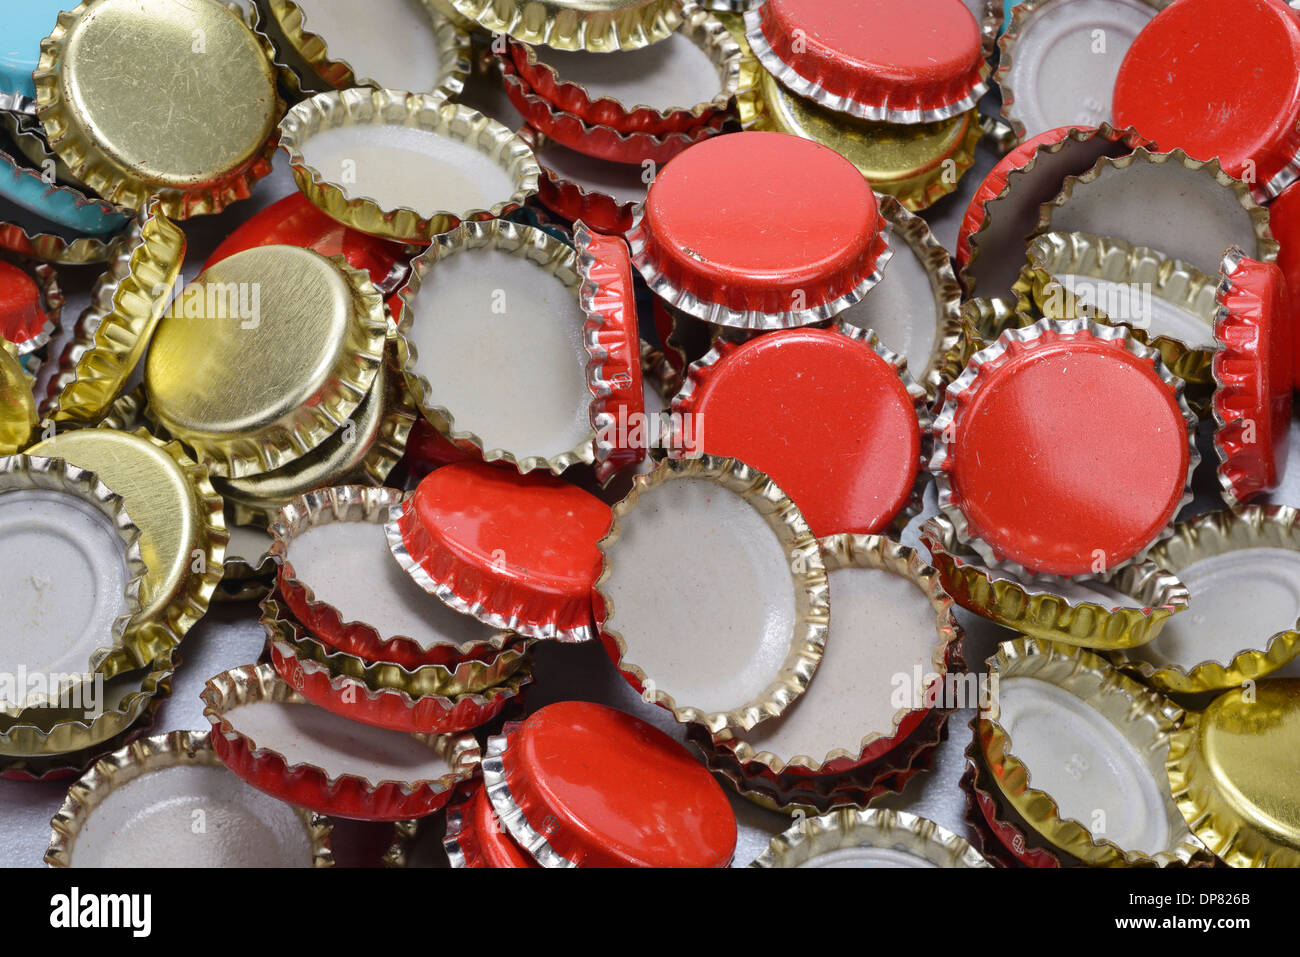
x=582, y=785
x=77, y=587
x=26, y=235
x=1284, y=221
x=852, y=837
x=1106, y=804
x=598, y=26
x=270, y=736
x=17, y=405
x=863, y=413
x=1058, y=60
x=285, y=365
x=1121, y=610
x=337, y=576
x=746, y=644
x=1003, y=213
x=123, y=812
x=518, y=552
x=126, y=304
x=1188, y=209
x=1252, y=377
x=995, y=830
x=1230, y=769
x=1224, y=642
x=600, y=193
x=428, y=164
x=477, y=838
x=1065, y=448
x=205, y=143
x=26, y=25
x=182, y=529
x=61, y=206
x=916, y=309
x=1220, y=82
x=613, y=344
x=392, y=44
x=30, y=304
x=777, y=259
x=896, y=61
x=1164, y=303
x=487, y=302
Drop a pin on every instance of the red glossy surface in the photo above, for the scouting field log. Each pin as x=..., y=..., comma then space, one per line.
x=1284, y=220
x=612, y=790
x=534, y=530
x=21, y=313
x=294, y=221
x=496, y=847
x=823, y=415
x=1070, y=455
x=1218, y=80
x=731, y=220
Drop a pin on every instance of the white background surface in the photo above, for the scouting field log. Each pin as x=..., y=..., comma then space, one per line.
x=230, y=636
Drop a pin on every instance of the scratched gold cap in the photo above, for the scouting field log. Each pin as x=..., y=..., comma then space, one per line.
x=1232, y=770
x=171, y=97
x=598, y=26
x=17, y=406
x=182, y=530
x=364, y=451
x=111, y=335
x=291, y=343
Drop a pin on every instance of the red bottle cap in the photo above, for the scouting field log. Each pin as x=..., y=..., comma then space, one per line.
x=1219, y=80
x=1284, y=221
x=723, y=236
x=897, y=61
x=614, y=344
x=1252, y=377
x=844, y=442
x=23, y=319
x=1065, y=448
x=295, y=221
x=582, y=784
x=476, y=837
x=517, y=552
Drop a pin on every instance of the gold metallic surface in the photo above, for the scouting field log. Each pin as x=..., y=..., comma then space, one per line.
x=17, y=405
x=364, y=451
x=1208, y=535
x=807, y=578
x=173, y=97
x=1033, y=608
x=1178, y=283
x=868, y=552
x=127, y=302
x=140, y=757
x=535, y=249
x=1146, y=718
x=811, y=837
x=918, y=164
x=599, y=26
x=182, y=530
x=1233, y=770
x=363, y=107
x=310, y=48
x=276, y=384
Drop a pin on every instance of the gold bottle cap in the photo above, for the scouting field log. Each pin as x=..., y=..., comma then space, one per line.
x=1232, y=769
x=599, y=26
x=1078, y=750
x=1125, y=608
x=111, y=335
x=428, y=163
x=198, y=140
x=17, y=405
x=265, y=356
x=24, y=236
x=165, y=770
x=850, y=837
x=390, y=44
x=1166, y=303
x=182, y=529
x=918, y=164
x=363, y=451
x=1224, y=641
